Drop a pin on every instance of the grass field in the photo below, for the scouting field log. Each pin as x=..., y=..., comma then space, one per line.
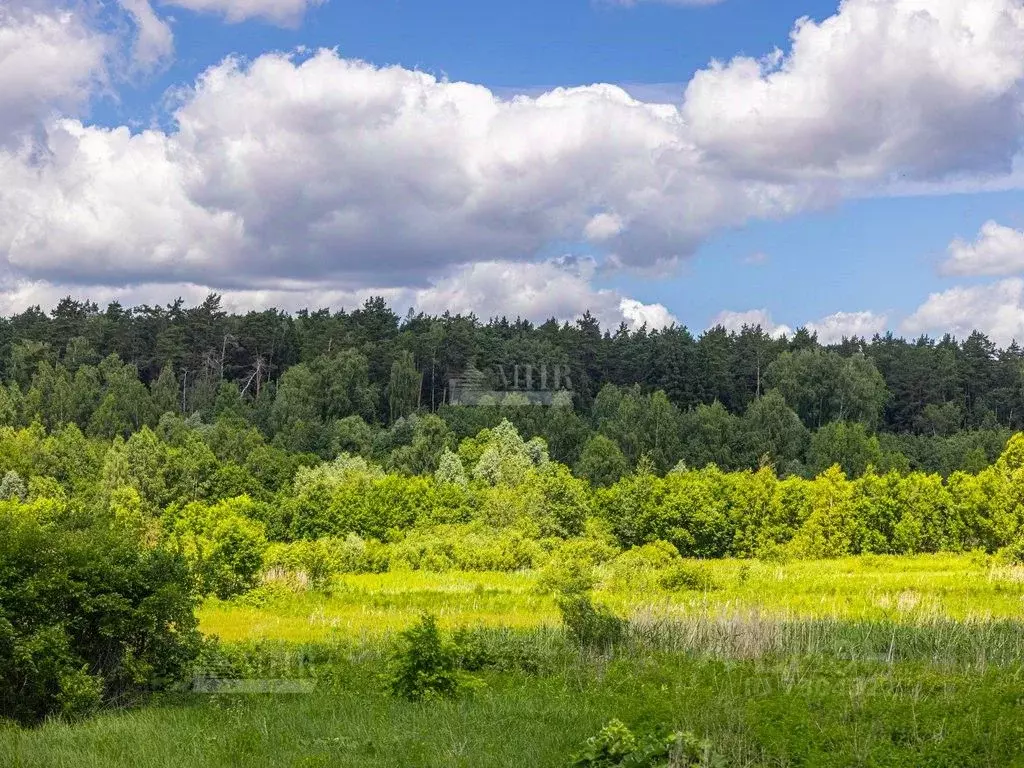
x=855, y=662
x=900, y=589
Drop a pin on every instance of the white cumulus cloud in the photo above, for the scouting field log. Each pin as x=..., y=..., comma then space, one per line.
x=997, y=250
x=882, y=88
x=636, y=314
x=103, y=199
x=996, y=309
x=334, y=169
x=154, y=40
x=847, y=325
x=287, y=174
x=50, y=60
x=603, y=226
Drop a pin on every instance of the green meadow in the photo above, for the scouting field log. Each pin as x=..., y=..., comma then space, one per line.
x=869, y=661
x=904, y=590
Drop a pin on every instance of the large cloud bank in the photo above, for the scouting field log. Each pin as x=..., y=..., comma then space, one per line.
x=298, y=175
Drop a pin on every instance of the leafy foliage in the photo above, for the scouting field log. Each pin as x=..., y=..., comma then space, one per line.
x=223, y=545
x=686, y=576
x=616, y=745
x=424, y=667
x=592, y=626
x=323, y=383
x=88, y=613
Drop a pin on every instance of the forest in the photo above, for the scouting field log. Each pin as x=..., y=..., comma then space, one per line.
x=322, y=383
x=264, y=495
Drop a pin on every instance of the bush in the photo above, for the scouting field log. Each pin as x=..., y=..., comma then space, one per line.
x=595, y=549
x=233, y=560
x=653, y=556
x=687, y=576
x=567, y=576
x=424, y=667
x=1012, y=553
x=318, y=562
x=223, y=545
x=616, y=745
x=773, y=552
x=88, y=615
x=271, y=592
x=592, y=627
x=12, y=487
x=502, y=649
x=638, y=568
x=570, y=568
x=472, y=547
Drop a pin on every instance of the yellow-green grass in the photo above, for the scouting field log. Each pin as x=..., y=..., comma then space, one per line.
x=885, y=589
x=372, y=605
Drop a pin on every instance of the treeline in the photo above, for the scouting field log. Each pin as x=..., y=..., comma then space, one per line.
x=922, y=386
x=203, y=484
x=498, y=486
x=322, y=383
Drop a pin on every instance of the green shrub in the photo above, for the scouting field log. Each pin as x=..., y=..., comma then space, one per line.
x=639, y=568
x=595, y=549
x=275, y=592
x=502, y=649
x=615, y=745
x=592, y=627
x=79, y=692
x=657, y=554
x=318, y=562
x=88, y=614
x=566, y=500
x=12, y=487
x=288, y=563
x=424, y=667
x=223, y=545
x=687, y=576
x=773, y=552
x=571, y=565
x=232, y=563
x=468, y=547
x=567, y=576
x=1012, y=553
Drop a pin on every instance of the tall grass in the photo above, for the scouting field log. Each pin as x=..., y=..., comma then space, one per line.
x=939, y=642
x=756, y=712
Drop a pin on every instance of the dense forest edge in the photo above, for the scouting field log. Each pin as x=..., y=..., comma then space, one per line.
x=323, y=383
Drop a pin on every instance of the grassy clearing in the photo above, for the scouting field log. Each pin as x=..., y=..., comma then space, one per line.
x=923, y=588
x=876, y=661
x=372, y=605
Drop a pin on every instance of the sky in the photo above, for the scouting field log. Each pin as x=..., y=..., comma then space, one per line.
x=851, y=168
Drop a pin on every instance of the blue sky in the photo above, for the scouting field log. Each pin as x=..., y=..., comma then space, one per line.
x=527, y=43
x=764, y=193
